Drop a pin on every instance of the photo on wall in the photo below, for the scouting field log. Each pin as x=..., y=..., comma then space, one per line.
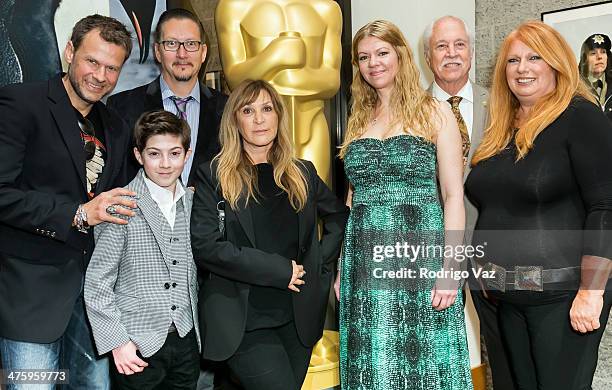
x=588, y=29
x=578, y=23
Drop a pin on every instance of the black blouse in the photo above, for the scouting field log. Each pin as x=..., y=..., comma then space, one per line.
x=276, y=231
x=554, y=205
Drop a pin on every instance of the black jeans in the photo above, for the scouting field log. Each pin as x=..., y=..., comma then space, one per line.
x=271, y=359
x=545, y=353
x=489, y=330
x=175, y=366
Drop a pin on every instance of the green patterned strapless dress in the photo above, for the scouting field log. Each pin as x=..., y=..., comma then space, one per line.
x=390, y=336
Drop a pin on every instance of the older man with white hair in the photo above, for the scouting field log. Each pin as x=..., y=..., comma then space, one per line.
x=449, y=49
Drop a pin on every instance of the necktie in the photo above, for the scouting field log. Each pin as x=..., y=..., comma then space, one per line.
x=598, y=88
x=598, y=84
x=181, y=105
x=454, y=102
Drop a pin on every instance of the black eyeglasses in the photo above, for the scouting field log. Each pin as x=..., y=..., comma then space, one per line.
x=88, y=135
x=175, y=45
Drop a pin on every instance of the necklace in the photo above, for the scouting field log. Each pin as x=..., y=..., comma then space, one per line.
x=380, y=113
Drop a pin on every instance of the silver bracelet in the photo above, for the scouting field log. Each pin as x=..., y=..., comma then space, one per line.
x=80, y=220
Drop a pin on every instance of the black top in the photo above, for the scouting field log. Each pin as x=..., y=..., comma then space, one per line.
x=276, y=231
x=554, y=205
x=92, y=131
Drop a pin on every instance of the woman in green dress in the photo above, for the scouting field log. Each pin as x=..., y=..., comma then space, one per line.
x=400, y=326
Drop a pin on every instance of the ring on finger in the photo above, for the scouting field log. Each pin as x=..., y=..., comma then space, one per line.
x=111, y=209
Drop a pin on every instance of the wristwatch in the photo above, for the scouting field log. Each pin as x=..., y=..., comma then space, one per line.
x=80, y=220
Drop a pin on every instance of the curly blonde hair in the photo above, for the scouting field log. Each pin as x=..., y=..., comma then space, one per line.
x=412, y=106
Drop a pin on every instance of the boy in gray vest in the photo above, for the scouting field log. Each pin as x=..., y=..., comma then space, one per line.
x=141, y=283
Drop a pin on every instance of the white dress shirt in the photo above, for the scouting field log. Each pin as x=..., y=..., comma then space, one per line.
x=466, y=106
x=192, y=110
x=165, y=199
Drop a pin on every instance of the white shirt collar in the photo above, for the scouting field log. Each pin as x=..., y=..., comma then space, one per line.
x=165, y=199
x=466, y=92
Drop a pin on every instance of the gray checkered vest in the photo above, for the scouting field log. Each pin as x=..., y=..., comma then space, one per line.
x=177, y=241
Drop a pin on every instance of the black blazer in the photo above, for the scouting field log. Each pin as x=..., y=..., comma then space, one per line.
x=234, y=264
x=133, y=103
x=42, y=182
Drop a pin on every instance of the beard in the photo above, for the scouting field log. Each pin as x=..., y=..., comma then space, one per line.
x=77, y=88
x=184, y=77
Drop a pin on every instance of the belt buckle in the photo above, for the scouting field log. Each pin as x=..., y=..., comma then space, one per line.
x=528, y=278
x=499, y=281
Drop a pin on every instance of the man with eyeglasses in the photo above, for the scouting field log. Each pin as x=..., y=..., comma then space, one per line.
x=180, y=49
x=62, y=152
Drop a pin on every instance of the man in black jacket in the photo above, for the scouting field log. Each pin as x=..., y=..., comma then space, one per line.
x=62, y=150
x=180, y=50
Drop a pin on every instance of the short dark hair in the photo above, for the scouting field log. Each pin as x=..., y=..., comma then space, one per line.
x=110, y=29
x=178, y=13
x=160, y=122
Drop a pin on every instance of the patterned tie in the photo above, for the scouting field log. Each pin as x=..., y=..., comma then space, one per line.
x=454, y=102
x=181, y=105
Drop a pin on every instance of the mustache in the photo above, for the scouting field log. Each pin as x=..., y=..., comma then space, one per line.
x=453, y=61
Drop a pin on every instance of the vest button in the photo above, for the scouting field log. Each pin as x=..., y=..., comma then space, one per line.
x=173, y=307
x=167, y=285
x=174, y=262
x=173, y=284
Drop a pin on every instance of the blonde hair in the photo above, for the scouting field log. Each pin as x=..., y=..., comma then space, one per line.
x=503, y=105
x=235, y=171
x=411, y=105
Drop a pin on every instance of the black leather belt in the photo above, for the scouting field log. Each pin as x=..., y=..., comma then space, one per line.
x=527, y=278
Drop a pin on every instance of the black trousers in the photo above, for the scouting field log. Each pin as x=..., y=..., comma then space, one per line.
x=545, y=352
x=489, y=331
x=175, y=366
x=271, y=359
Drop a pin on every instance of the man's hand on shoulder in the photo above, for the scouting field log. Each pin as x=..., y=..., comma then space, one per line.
x=98, y=208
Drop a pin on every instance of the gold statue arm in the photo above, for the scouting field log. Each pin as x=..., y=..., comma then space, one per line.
x=320, y=81
x=287, y=52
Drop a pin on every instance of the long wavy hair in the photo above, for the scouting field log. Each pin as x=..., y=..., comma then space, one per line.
x=583, y=65
x=410, y=104
x=503, y=105
x=235, y=171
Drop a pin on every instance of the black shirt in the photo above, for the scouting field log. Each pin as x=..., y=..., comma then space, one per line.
x=276, y=231
x=92, y=135
x=555, y=204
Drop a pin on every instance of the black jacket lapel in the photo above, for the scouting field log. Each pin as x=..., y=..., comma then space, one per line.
x=68, y=126
x=246, y=221
x=110, y=137
x=205, y=124
x=153, y=96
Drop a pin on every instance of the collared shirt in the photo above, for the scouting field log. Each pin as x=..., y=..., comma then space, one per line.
x=601, y=97
x=466, y=106
x=166, y=200
x=193, y=117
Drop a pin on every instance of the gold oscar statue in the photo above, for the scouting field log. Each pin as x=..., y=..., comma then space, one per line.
x=294, y=45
